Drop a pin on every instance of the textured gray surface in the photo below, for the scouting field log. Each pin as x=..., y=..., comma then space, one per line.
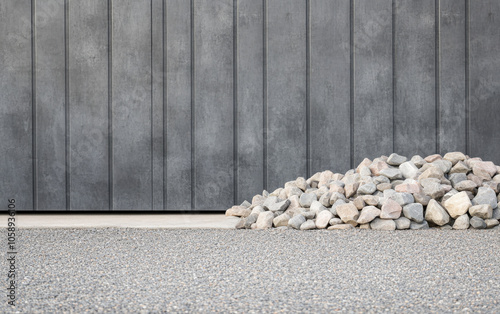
x=132, y=270
x=209, y=103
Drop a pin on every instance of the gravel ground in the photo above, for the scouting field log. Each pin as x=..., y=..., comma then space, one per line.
x=140, y=270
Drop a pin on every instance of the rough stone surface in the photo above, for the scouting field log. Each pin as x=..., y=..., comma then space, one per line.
x=395, y=159
x=265, y=220
x=239, y=211
x=487, y=196
x=306, y=199
x=458, y=204
x=348, y=213
x=390, y=210
x=483, y=211
x=490, y=223
x=341, y=227
x=383, y=224
x=281, y=220
x=414, y=212
x=402, y=223
x=391, y=173
x=308, y=225
x=416, y=226
x=368, y=188
x=280, y=206
x=462, y=222
x=367, y=214
x=323, y=219
x=436, y=214
x=454, y=157
x=477, y=223
x=296, y=221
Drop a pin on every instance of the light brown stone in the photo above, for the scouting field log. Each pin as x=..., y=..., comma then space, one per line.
x=458, y=204
x=348, y=213
x=432, y=158
x=390, y=210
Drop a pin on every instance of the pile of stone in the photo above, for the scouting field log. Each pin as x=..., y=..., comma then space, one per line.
x=388, y=193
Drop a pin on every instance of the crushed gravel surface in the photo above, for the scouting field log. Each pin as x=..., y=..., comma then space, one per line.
x=141, y=270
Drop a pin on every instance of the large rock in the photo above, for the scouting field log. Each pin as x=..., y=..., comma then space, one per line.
x=348, y=213
x=458, y=204
x=308, y=225
x=491, y=223
x=402, y=223
x=350, y=189
x=390, y=210
x=455, y=178
x=367, y=214
x=465, y=185
x=477, y=223
x=395, y=159
x=484, y=169
x=280, y=206
x=392, y=173
x=383, y=224
x=462, y=222
x=432, y=187
x=368, y=188
x=296, y=221
x=281, y=220
x=444, y=165
x=301, y=183
x=417, y=226
x=238, y=211
x=454, y=157
x=402, y=198
x=378, y=165
x=431, y=172
x=414, y=212
x=485, y=195
x=323, y=219
x=250, y=220
x=483, y=211
x=265, y=220
x=306, y=199
x=460, y=167
x=317, y=207
x=436, y=214
x=418, y=161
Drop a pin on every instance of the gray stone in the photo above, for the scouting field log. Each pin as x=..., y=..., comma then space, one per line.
x=306, y=199
x=402, y=223
x=296, y=221
x=317, y=207
x=444, y=165
x=335, y=221
x=383, y=224
x=368, y=188
x=418, y=161
x=241, y=223
x=465, y=185
x=301, y=183
x=281, y=220
x=432, y=187
x=402, y=198
x=408, y=170
x=367, y=214
x=496, y=214
x=348, y=213
x=333, y=210
x=477, y=223
x=280, y=206
x=250, y=220
x=416, y=226
x=490, y=223
x=371, y=200
x=455, y=178
x=390, y=210
x=309, y=214
x=308, y=225
x=414, y=212
x=458, y=204
x=293, y=190
x=485, y=195
x=421, y=198
x=323, y=219
x=337, y=196
x=431, y=172
x=395, y=159
x=270, y=201
x=392, y=173
x=238, y=211
x=483, y=211
x=462, y=222
x=246, y=204
x=436, y=214
x=380, y=179
x=265, y=220
x=257, y=210
x=365, y=171
x=341, y=227
x=325, y=199
x=448, y=195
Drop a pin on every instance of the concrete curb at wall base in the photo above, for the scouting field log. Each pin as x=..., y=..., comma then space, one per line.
x=145, y=221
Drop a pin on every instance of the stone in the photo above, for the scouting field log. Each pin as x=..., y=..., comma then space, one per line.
x=367, y=214
x=496, y=214
x=359, y=202
x=390, y=210
x=465, y=185
x=495, y=186
x=484, y=169
x=402, y=198
x=317, y=207
x=422, y=198
x=436, y=214
x=402, y=223
x=348, y=213
x=383, y=224
x=341, y=227
x=417, y=226
x=265, y=220
x=443, y=165
x=446, y=227
x=322, y=190
x=306, y=200
x=380, y=179
x=368, y=188
x=490, y=223
x=265, y=193
x=280, y=206
x=365, y=163
x=296, y=221
x=241, y=223
x=431, y=172
x=324, y=177
x=378, y=165
x=250, y=220
x=350, y=189
x=246, y=204
x=238, y=211
x=477, y=223
x=432, y=187
x=485, y=195
x=365, y=171
x=409, y=186
x=462, y=222
x=337, y=196
x=432, y=158
x=455, y=178
x=323, y=218
x=294, y=202
x=392, y=173
x=414, y=212
x=293, y=190
x=325, y=199
x=335, y=221
x=301, y=183
x=269, y=201
x=258, y=200
x=257, y=210
x=337, y=188
x=483, y=211
x=460, y=167
x=281, y=220
x=408, y=170
x=254, y=226
x=395, y=159
x=309, y=214
x=371, y=200
x=454, y=157
x=384, y=186
x=418, y=161
x=308, y=225
x=457, y=205
x=277, y=192
x=283, y=195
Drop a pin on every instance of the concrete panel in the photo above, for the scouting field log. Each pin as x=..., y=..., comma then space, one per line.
x=132, y=105
x=250, y=99
x=286, y=73
x=50, y=100
x=485, y=79
x=330, y=85
x=88, y=104
x=16, y=166
x=178, y=105
x=157, y=28
x=213, y=56
x=373, y=93
x=415, y=107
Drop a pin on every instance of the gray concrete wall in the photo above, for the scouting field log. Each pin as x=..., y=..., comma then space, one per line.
x=176, y=104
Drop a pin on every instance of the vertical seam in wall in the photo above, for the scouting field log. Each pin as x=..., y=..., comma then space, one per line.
x=110, y=102
x=394, y=85
x=351, y=83
x=437, y=60
x=66, y=105
x=308, y=88
x=151, y=113
x=193, y=122
x=163, y=88
x=235, y=100
x=33, y=105
x=467, y=77
x=264, y=96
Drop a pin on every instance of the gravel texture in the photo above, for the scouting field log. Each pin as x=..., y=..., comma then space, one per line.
x=141, y=270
